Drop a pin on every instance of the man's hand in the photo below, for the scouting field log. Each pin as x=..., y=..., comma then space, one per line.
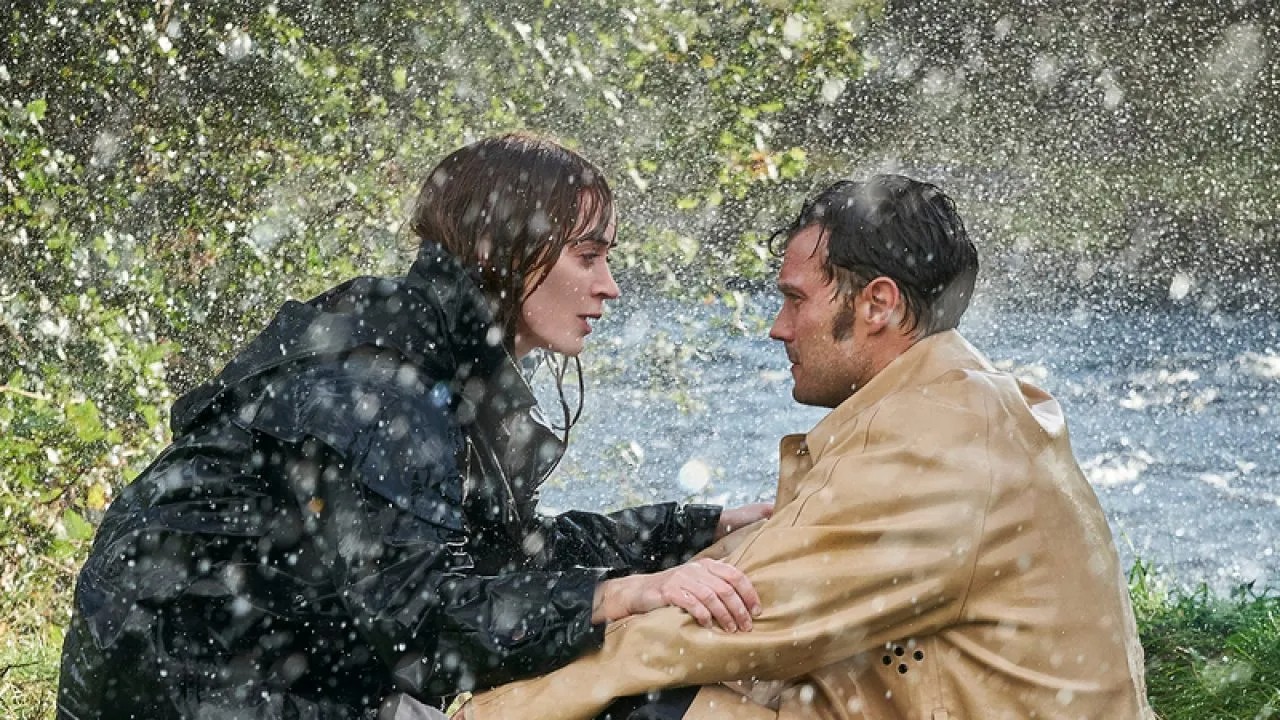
x=713, y=592
x=733, y=518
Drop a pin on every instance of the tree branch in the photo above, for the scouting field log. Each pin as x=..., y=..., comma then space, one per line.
x=24, y=393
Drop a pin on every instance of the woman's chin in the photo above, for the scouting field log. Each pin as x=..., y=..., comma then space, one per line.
x=570, y=347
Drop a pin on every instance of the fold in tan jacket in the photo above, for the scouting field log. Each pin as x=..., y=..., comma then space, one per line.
x=935, y=554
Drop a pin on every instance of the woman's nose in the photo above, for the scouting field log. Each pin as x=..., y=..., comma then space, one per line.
x=606, y=287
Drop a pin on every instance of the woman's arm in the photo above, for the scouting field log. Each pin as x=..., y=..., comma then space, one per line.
x=417, y=602
x=387, y=530
x=643, y=539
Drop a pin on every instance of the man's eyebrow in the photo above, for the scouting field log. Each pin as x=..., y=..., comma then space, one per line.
x=787, y=288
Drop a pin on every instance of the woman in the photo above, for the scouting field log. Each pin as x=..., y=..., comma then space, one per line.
x=347, y=509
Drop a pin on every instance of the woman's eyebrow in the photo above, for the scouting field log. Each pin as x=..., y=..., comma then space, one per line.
x=595, y=240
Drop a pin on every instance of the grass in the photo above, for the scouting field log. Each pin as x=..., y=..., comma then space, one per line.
x=28, y=677
x=1208, y=657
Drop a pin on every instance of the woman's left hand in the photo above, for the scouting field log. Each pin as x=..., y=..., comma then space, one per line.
x=733, y=518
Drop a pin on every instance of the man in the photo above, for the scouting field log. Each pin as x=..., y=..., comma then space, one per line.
x=935, y=552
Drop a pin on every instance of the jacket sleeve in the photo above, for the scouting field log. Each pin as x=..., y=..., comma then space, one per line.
x=441, y=628
x=381, y=504
x=640, y=539
x=878, y=545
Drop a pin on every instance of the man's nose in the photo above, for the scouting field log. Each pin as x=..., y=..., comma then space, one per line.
x=780, y=330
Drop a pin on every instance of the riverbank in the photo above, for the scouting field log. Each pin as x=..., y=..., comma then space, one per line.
x=1209, y=657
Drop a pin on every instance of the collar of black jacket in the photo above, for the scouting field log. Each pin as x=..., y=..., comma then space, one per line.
x=435, y=316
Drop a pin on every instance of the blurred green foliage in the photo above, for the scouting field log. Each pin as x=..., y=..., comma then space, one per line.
x=170, y=172
x=1114, y=144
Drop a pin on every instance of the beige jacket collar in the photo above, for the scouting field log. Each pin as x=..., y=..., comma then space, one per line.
x=922, y=363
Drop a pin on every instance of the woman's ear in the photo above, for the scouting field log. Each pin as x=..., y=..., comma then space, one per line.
x=882, y=305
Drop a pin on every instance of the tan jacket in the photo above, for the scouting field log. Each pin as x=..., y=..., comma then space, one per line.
x=935, y=554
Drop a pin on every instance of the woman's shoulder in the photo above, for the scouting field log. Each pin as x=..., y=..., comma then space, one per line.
x=340, y=399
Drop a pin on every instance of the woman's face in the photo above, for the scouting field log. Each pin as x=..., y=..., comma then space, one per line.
x=558, y=314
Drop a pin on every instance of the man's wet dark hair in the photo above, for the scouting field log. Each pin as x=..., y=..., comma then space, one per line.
x=895, y=227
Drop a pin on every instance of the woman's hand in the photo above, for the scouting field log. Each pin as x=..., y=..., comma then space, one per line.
x=733, y=518
x=715, y=593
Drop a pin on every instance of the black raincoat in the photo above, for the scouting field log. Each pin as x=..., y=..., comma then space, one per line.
x=347, y=512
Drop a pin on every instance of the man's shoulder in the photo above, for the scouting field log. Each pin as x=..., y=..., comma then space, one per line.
x=961, y=395
x=962, y=408
x=966, y=390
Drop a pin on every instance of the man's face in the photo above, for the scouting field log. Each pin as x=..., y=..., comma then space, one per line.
x=819, y=328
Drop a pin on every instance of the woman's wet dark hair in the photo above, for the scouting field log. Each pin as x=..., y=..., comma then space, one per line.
x=505, y=207
x=895, y=227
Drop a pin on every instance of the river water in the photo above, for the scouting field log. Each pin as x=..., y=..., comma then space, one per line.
x=1174, y=415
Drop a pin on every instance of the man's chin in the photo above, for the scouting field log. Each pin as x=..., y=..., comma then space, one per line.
x=804, y=397
x=801, y=396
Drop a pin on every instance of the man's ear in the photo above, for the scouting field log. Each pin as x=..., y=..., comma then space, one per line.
x=882, y=305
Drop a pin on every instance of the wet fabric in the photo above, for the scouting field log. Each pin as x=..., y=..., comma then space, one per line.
x=348, y=511
x=659, y=705
x=935, y=552
x=404, y=707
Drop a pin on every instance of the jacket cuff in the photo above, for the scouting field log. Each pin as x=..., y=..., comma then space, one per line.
x=700, y=523
x=574, y=596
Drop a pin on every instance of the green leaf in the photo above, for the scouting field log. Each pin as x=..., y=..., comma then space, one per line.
x=54, y=634
x=36, y=109
x=77, y=527
x=85, y=421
